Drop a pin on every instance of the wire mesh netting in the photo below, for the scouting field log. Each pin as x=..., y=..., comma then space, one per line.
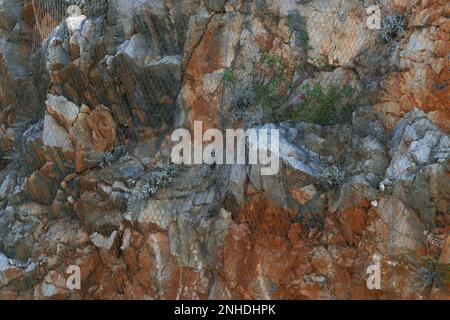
x=50, y=13
x=151, y=66
x=302, y=68
x=272, y=82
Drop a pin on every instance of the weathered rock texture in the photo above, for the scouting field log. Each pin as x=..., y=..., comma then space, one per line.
x=89, y=95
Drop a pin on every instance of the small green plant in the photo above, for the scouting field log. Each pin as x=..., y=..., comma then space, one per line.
x=272, y=61
x=303, y=37
x=321, y=105
x=263, y=96
x=241, y=98
x=228, y=75
x=271, y=88
x=301, y=67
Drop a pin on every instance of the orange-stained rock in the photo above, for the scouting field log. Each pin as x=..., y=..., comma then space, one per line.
x=423, y=83
x=439, y=118
x=353, y=221
x=82, y=139
x=237, y=255
x=53, y=287
x=43, y=184
x=95, y=131
x=154, y=67
x=206, y=58
x=399, y=5
x=265, y=216
x=165, y=274
x=103, y=128
x=305, y=194
x=295, y=233
x=444, y=259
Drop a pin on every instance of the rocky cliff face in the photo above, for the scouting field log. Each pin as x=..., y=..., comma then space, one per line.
x=90, y=92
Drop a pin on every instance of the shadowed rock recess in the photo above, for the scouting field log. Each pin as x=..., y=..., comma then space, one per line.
x=91, y=91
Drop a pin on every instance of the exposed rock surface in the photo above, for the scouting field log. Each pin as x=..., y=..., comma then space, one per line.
x=89, y=99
